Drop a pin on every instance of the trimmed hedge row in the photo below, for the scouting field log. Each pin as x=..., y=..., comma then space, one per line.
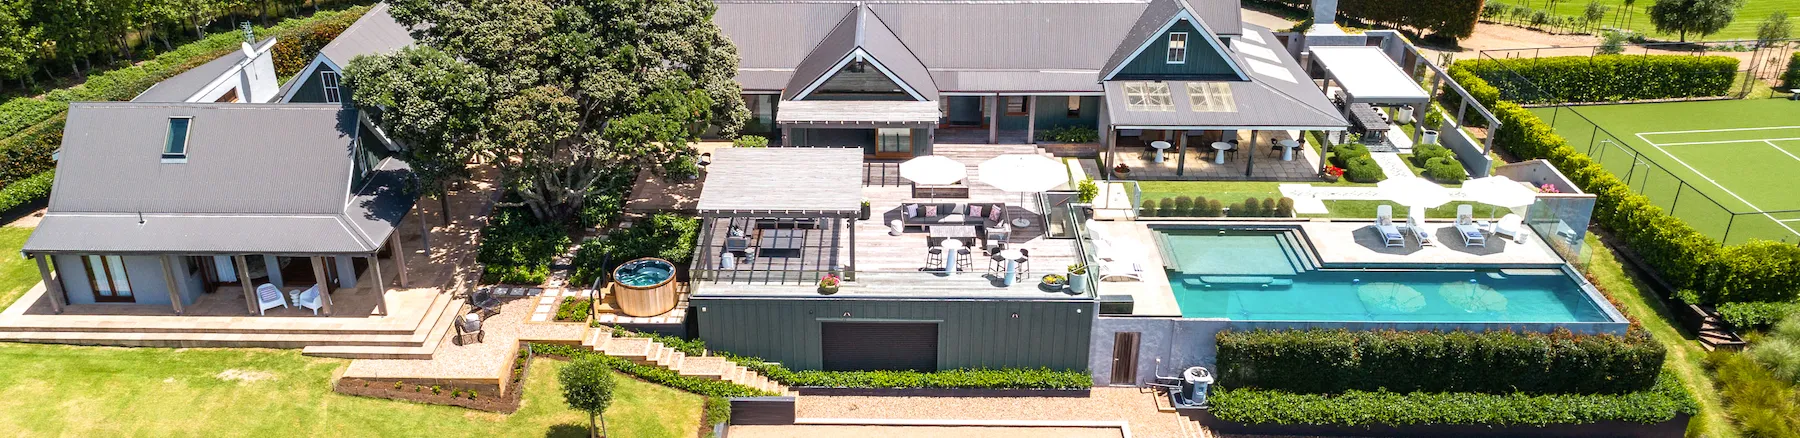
x=1199, y=206
x=1759, y=271
x=1358, y=164
x=1662, y=402
x=26, y=190
x=1006, y=378
x=28, y=152
x=1607, y=78
x=657, y=375
x=1756, y=316
x=1330, y=361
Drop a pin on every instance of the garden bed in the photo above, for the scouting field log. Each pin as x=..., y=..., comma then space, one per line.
x=941, y=392
x=1672, y=428
x=478, y=397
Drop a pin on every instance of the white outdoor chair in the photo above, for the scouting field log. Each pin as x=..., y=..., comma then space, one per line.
x=1415, y=220
x=1119, y=269
x=1465, y=225
x=1384, y=224
x=268, y=297
x=310, y=299
x=1509, y=226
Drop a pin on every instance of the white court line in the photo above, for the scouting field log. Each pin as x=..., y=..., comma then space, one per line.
x=1716, y=184
x=1787, y=220
x=1779, y=148
x=1766, y=128
x=1690, y=143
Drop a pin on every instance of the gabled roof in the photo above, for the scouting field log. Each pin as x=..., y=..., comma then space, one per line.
x=180, y=87
x=1278, y=95
x=1157, y=18
x=257, y=178
x=375, y=33
x=861, y=34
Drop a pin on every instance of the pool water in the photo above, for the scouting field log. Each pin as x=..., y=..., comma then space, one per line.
x=643, y=273
x=1247, y=275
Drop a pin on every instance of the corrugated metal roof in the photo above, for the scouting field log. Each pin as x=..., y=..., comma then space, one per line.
x=190, y=234
x=182, y=86
x=861, y=29
x=1278, y=94
x=777, y=35
x=796, y=180
x=857, y=111
x=375, y=33
x=824, y=55
x=1018, y=81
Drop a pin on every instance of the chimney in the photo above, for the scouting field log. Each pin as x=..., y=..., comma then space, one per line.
x=1324, y=11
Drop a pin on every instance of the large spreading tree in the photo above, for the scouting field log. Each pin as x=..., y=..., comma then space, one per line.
x=1703, y=17
x=562, y=92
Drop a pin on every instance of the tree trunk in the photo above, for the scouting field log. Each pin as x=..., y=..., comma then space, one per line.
x=593, y=431
x=603, y=427
x=444, y=203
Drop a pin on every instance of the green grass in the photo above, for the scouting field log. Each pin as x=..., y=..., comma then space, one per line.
x=1744, y=27
x=1685, y=357
x=16, y=273
x=101, y=391
x=1746, y=175
x=1235, y=191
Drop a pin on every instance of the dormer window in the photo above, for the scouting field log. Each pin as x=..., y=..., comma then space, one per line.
x=329, y=79
x=1178, y=47
x=175, y=146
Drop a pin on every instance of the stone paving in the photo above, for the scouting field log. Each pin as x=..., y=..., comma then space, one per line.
x=1135, y=406
x=487, y=361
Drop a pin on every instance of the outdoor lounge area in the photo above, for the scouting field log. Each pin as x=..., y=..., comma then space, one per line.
x=1217, y=155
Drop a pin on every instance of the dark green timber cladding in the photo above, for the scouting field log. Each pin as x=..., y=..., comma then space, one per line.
x=1202, y=60
x=971, y=333
x=312, y=89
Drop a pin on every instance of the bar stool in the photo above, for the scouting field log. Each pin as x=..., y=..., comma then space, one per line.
x=1024, y=263
x=934, y=256
x=962, y=259
x=997, y=264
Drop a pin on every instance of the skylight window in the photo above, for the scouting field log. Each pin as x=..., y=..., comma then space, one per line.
x=175, y=146
x=1148, y=96
x=1211, y=97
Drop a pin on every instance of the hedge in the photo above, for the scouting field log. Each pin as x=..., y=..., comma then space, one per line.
x=1684, y=257
x=26, y=190
x=517, y=249
x=1452, y=18
x=1792, y=77
x=1757, y=315
x=1607, y=78
x=1330, y=361
x=28, y=152
x=658, y=375
x=1662, y=402
x=976, y=378
x=667, y=236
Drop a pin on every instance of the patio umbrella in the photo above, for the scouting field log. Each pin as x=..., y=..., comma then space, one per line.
x=1414, y=192
x=1386, y=297
x=1472, y=297
x=933, y=170
x=1499, y=191
x=1023, y=173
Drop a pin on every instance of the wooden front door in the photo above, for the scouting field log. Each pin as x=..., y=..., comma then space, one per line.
x=1125, y=358
x=107, y=279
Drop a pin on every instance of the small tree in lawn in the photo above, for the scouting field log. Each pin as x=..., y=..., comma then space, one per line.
x=587, y=385
x=1773, y=29
x=1704, y=17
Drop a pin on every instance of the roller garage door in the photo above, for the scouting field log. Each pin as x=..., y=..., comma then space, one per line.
x=849, y=346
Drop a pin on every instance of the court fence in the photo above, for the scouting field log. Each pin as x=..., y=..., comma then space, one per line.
x=1691, y=201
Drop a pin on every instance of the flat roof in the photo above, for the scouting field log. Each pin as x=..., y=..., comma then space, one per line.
x=857, y=112
x=1368, y=75
x=783, y=180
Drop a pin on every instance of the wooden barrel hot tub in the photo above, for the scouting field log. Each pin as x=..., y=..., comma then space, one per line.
x=644, y=287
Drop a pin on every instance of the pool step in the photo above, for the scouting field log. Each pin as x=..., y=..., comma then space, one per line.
x=1298, y=251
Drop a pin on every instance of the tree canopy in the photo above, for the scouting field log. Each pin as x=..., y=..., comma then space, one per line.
x=587, y=386
x=1772, y=29
x=565, y=91
x=1703, y=17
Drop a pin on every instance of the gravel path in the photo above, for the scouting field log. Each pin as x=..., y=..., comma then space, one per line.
x=1132, y=405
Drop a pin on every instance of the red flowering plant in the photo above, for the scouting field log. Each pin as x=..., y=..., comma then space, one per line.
x=1334, y=171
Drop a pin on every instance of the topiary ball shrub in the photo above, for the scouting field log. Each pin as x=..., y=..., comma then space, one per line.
x=1284, y=207
x=1249, y=208
x=1425, y=152
x=1445, y=170
x=1184, y=204
x=1363, y=170
x=1343, y=154
x=1268, y=207
x=1148, y=209
x=1199, y=209
x=1166, y=207
x=1214, y=208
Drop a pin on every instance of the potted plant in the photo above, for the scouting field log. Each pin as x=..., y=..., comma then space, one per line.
x=830, y=284
x=1332, y=173
x=1404, y=114
x=1086, y=191
x=1122, y=170
x=1078, y=278
x=864, y=214
x=1053, y=282
x=1428, y=134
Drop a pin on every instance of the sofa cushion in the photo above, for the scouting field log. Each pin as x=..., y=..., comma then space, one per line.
x=912, y=211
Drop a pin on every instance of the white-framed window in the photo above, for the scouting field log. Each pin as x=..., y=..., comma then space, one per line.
x=329, y=79
x=1148, y=96
x=1211, y=97
x=176, y=144
x=1074, y=106
x=1177, y=47
x=1015, y=105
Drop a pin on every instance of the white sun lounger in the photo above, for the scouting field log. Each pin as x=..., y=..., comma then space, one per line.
x=1120, y=269
x=1415, y=223
x=1509, y=226
x=1465, y=225
x=1384, y=225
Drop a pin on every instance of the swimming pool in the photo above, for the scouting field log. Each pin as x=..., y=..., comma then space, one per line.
x=1269, y=275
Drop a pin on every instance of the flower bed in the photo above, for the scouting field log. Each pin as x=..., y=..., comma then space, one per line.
x=478, y=397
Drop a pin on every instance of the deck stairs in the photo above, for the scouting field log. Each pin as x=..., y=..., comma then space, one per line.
x=1714, y=336
x=407, y=338
x=649, y=352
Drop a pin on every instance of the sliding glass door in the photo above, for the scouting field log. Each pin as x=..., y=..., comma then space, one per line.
x=106, y=275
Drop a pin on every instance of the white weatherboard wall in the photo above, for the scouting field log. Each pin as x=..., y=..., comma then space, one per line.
x=254, y=78
x=144, y=272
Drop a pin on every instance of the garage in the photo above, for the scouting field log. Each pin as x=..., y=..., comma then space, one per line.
x=851, y=346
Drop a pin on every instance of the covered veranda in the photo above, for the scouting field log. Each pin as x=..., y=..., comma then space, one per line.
x=779, y=215
x=881, y=128
x=1362, y=80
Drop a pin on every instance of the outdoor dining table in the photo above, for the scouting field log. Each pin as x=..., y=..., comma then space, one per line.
x=1160, y=146
x=1012, y=257
x=1287, y=149
x=1222, y=147
x=950, y=248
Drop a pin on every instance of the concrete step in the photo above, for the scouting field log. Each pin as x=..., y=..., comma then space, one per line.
x=421, y=349
x=201, y=325
x=704, y=367
x=177, y=339
x=633, y=349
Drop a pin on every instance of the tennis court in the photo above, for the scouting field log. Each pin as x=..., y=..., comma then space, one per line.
x=1729, y=168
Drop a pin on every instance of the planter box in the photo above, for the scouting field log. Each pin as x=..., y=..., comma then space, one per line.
x=941, y=392
x=1674, y=428
x=762, y=410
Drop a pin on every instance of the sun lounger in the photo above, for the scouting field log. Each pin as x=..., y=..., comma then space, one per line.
x=1120, y=269
x=1509, y=226
x=1415, y=225
x=1465, y=225
x=1384, y=225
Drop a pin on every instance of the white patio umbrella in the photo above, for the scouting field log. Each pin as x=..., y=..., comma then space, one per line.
x=1499, y=191
x=1414, y=192
x=1023, y=173
x=933, y=170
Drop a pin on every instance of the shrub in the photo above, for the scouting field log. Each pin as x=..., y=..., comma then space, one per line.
x=1184, y=204
x=1268, y=207
x=1214, y=208
x=27, y=190
x=1284, y=207
x=1779, y=350
x=517, y=249
x=1756, y=315
x=1756, y=271
x=1425, y=152
x=1792, y=77
x=1329, y=361
x=1249, y=208
x=297, y=49
x=1445, y=170
x=604, y=203
x=28, y=152
x=574, y=310
x=1662, y=402
x=1166, y=208
x=1072, y=134
x=667, y=236
x=1442, y=18
x=1761, y=403
x=717, y=411
x=1200, y=207
x=1343, y=153
x=1087, y=190
x=654, y=374
x=1607, y=78
x=751, y=141
x=1148, y=209
x=1363, y=169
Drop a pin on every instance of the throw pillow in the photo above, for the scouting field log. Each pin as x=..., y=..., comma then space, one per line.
x=975, y=210
x=995, y=215
x=931, y=211
x=912, y=210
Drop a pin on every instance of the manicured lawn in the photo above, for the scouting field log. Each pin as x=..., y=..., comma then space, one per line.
x=1236, y=191
x=100, y=391
x=16, y=274
x=1685, y=356
x=1744, y=27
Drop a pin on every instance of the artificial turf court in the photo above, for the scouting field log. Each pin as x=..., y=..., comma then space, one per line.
x=1735, y=156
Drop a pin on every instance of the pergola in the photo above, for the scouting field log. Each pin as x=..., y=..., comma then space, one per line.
x=782, y=211
x=1367, y=75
